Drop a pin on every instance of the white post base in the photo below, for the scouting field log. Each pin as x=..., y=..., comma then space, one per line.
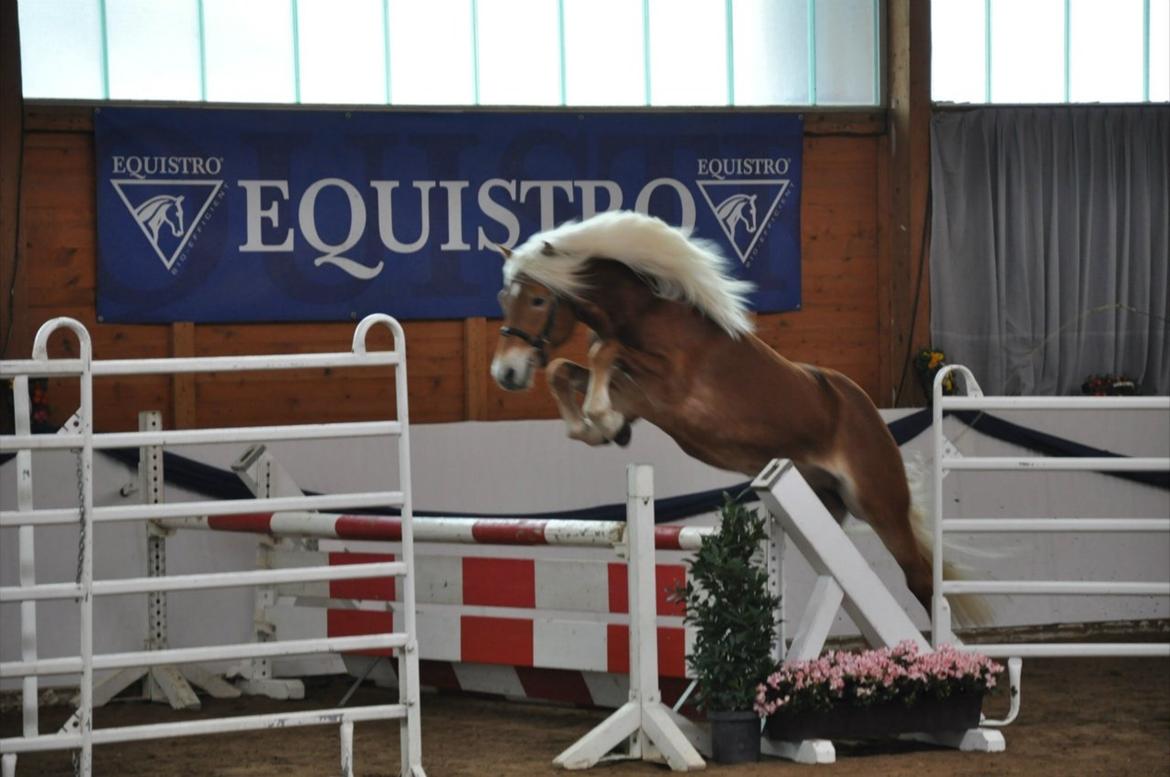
x=633, y=721
x=274, y=688
x=973, y=740
x=807, y=751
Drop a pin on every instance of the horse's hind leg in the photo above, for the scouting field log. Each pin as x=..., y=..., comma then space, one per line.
x=875, y=491
x=566, y=379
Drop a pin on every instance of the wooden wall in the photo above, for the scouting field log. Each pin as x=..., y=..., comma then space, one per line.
x=841, y=324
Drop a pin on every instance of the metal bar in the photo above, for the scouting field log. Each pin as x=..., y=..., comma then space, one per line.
x=296, y=52
x=199, y=10
x=1069, y=649
x=811, y=24
x=728, y=22
x=561, y=50
x=194, y=655
x=26, y=541
x=646, y=80
x=186, y=728
x=40, y=368
x=171, y=365
x=1055, y=587
x=1065, y=464
x=103, y=21
x=1062, y=525
x=199, y=582
x=1055, y=403
x=1067, y=50
x=170, y=437
x=196, y=509
x=986, y=51
x=474, y=52
x=1145, y=51
x=385, y=47
x=288, y=361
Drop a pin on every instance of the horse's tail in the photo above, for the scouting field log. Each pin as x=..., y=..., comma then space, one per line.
x=969, y=609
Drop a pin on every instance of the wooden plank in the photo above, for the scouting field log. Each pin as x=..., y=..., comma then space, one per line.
x=183, y=385
x=909, y=169
x=475, y=368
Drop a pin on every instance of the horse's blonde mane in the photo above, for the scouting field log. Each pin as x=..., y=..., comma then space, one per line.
x=677, y=266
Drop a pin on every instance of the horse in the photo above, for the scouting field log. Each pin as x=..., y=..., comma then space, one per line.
x=158, y=210
x=673, y=343
x=737, y=208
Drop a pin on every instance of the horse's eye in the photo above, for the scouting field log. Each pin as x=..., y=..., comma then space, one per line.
x=538, y=302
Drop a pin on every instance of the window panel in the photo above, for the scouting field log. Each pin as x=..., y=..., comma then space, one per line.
x=519, y=52
x=431, y=52
x=1027, y=51
x=61, y=49
x=341, y=51
x=1160, y=50
x=688, y=52
x=153, y=50
x=845, y=52
x=770, y=38
x=249, y=51
x=958, y=52
x=1106, y=46
x=604, y=61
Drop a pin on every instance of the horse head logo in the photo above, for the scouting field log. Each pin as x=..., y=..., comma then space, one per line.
x=158, y=210
x=736, y=209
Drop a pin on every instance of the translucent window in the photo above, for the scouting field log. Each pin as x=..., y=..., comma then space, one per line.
x=604, y=57
x=845, y=41
x=1106, y=51
x=1160, y=50
x=958, y=54
x=688, y=52
x=341, y=51
x=1027, y=51
x=249, y=51
x=61, y=49
x=431, y=47
x=153, y=50
x=771, y=52
x=519, y=52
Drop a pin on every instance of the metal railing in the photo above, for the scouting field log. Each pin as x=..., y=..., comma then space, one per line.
x=86, y=516
x=948, y=460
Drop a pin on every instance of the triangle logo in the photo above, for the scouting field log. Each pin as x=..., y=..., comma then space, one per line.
x=744, y=209
x=166, y=211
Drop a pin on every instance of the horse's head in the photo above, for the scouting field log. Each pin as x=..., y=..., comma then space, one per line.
x=177, y=222
x=535, y=319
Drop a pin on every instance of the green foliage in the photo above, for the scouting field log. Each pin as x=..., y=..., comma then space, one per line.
x=729, y=605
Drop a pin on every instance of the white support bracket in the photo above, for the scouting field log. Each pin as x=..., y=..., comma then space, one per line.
x=650, y=730
x=844, y=579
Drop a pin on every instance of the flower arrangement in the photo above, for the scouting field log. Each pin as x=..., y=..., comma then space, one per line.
x=899, y=674
x=1109, y=386
x=927, y=363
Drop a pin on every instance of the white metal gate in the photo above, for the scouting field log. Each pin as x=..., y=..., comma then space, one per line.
x=84, y=440
x=947, y=458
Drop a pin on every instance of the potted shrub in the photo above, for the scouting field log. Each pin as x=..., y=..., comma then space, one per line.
x=732, y=612
x=876, y=693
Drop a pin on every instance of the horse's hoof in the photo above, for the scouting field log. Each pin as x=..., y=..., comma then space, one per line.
x=623, y=435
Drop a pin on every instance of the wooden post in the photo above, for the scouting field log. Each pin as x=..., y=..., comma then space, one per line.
x=183, y=384
x=475, y=368
x=908, y=179
x=11, y=144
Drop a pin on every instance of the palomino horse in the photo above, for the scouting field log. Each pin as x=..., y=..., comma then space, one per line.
x=674, y=345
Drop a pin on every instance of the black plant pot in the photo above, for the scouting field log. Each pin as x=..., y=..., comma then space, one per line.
x=735, y=736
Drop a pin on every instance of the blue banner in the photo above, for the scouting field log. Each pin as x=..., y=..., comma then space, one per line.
x=258, y=215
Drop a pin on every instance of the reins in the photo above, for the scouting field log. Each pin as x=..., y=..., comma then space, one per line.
x=540, y=341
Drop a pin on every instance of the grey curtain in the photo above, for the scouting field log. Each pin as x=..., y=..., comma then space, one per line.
x=1049, y=245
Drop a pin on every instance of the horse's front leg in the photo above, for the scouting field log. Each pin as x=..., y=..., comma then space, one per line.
x=598, y=406
x=566, y=379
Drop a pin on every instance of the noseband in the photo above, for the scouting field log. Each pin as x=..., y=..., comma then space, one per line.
x=540, y=341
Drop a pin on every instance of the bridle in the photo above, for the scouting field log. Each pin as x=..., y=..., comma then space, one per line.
x=538, y=342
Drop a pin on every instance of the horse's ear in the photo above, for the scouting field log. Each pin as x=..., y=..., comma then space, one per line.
x=504, y=251
x=179, y=200
x=548, y=249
